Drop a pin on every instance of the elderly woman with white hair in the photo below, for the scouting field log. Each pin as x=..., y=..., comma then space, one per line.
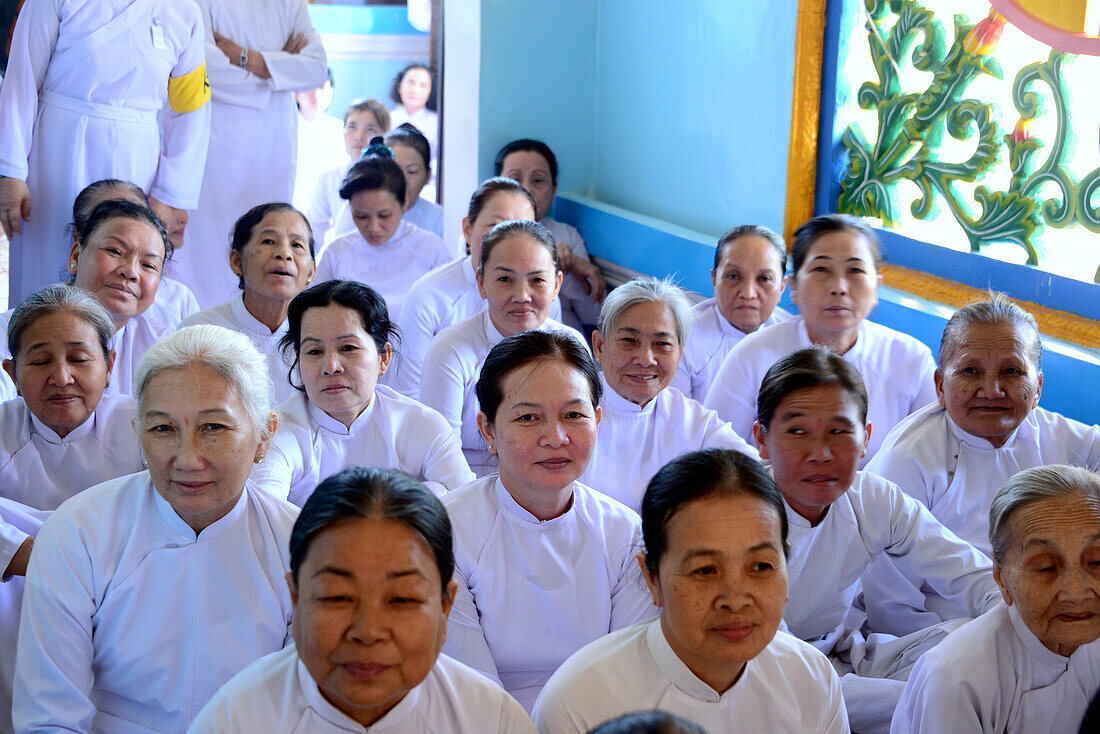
x=953, y=455
x=146, y=593
x=1032, y=663
x=644, y=325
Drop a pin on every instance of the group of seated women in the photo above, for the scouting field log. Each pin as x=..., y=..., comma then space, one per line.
x=408, y=501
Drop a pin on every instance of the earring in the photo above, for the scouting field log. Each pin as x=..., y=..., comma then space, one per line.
x=491, y=448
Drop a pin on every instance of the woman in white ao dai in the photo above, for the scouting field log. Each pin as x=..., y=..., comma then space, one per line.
x=339, y=335
x=539, y=556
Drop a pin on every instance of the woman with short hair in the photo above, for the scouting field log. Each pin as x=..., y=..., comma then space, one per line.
x=371, y=559
x=147, y=592
x=715, y=534
x=1033, y=663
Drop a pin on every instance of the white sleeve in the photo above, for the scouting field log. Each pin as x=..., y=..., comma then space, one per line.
x=444, y=464
x=631, y=601
x=32, y=46
x=320, y=214
x=733, y=393
x=53, y=669
x=936, y=701
x=720, y=434
x=327, y=267
x=417, y=325
x=466, y=641
x=17, y=523
x=185, y=137
x=443, y=384
x=274, y=474
x=927, y=393
x=304, y=70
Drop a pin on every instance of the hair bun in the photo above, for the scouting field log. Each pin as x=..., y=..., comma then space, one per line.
x=378, y=148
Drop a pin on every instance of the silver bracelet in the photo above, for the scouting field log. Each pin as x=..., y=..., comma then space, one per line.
x=242, y=61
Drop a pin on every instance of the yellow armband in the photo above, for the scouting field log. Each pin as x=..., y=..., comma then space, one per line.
x=189, y=92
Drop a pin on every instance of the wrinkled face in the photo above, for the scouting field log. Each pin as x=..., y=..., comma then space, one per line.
x=416, y=171
x=837, y=285
x=275, y=263
x=545, y=428
x=520, y=283
x=1051, y=571
x=415, y=88
x=532, y=171
x=815, y=442
x=990, y=383
x=370, y=616
x=748, y=282
x=60, y=371
x=120, y=264
x=721, y=584
x=359, y=128
x=500, y=207
x=641, y=353
x=339, y=361
x=377, y=214
x=198, y=441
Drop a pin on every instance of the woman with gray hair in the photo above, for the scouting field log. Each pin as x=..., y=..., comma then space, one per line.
x=643, y=327
x=146, y=593
x=1032, y=663
x=953, y=455
x=519, y=278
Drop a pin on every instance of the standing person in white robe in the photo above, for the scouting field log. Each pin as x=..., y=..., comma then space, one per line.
x=271, y=253
x=953, y=455
x=1032, y=664
x=715, y=536
x=174, y=301
x=339, y=339
x=835, y=285
x=85, y=83
x=328, y=214
x=449, y=294
x=319, y=145
x=644, y=324
x=519, y=279
x=62, y=436
x=371, y=560
x=145, y=593
x=259, y=53
x=118, y=257
x=414, y=92
x=384, y=252
x=533, y=164
x=812, y=427
x=544, y=564
x=749, y=276
x=412, y=152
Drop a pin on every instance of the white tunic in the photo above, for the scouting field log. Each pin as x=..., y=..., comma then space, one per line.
x=789, y=688
x=40, y=469
x=393, y=432
x=896, y=369
x=17, y=523
x=712, y=338
x=450, y=374
x=424, y=120
x=532, y=593
x=993, y=676
x=131, y=622
x=427, y=215
x=320, y=148
x=329, y=216
x=277, y=695
x=873, y=518
x=234, y=316
x=389, y=268
x=253, y=136
x=578, y=308
x=443, y=297
x=174, y=302
x=85, y=82
x=634, y=442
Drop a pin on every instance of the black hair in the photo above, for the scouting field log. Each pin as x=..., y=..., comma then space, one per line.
x=521, y=350
x=491, y=187
x=527, y=145
x=375, y=170
x=813, y=230
x=805, y=368
x=752, y=230
x=649, y=722
x=329, y=77
x=408, y=135
x=242, y=229
x=697, y=475
x=96, y=192
x=110, y=209
x=362, y=299
x=512, y=228
x=395, y=87
x=371, y=492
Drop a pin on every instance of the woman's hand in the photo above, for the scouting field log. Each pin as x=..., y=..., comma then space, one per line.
x=232, y=50
x=175, y=220
x=565, y=258
x=15, y=203
x=17, y=566
x=591, y=278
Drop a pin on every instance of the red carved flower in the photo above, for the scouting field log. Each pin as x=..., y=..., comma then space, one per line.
x=983, y=38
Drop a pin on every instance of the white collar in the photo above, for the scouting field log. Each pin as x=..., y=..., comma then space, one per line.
x=977, y=442
x=250, y=323
x=513, y=507
x=208, y=533
x=327, y=422
x=612, y=400
x=676, y=670
x=327, y=711
x=50, y=436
